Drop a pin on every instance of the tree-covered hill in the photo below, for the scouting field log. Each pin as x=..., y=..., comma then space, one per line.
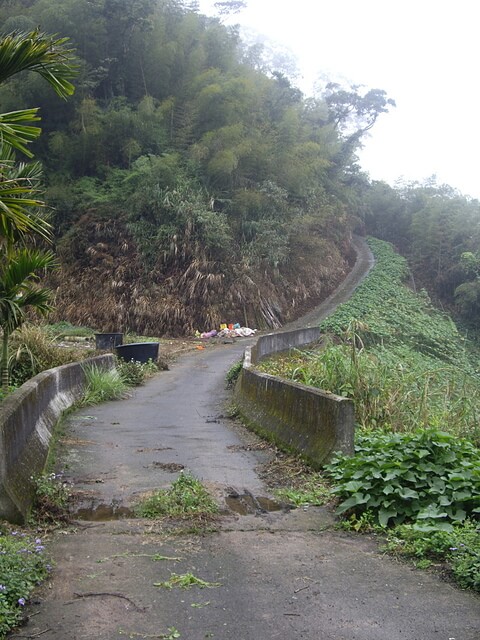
x=190, y=184
x=438, y=230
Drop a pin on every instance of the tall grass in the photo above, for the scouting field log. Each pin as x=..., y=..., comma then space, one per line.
x=102, y=385
x=403, y=362
x=33, y=350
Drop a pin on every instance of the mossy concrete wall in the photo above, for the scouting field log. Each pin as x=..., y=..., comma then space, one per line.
x=310, y=421
x=27, y=419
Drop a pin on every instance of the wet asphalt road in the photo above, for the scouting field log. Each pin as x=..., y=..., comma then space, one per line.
x=272, y=576
x=120, y=450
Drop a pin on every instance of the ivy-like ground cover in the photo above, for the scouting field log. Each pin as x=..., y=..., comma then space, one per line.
x=428, y=477
x=416, y=390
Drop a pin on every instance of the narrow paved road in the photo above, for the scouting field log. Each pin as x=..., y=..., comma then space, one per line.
x=273, y=576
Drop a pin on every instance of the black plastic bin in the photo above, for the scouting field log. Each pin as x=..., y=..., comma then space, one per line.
x=138, y=351
x=108, y=341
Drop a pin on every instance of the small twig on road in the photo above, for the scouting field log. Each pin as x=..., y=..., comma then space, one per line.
x=301, y=589
x=113, y=594
x=34, y=635
x=291, y=614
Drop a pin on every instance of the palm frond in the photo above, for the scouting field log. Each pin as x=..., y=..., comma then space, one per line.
x=18, y=203
x=38, y=298
x=36, y=51
x=22, y=267
x=18, y=135
x=19, y=290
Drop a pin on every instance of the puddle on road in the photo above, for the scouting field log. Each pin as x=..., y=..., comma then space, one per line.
x=247, y=504
x=242, y=504
x=103, y=512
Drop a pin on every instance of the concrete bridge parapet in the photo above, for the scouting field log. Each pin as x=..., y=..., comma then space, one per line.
x=27, y=419
x=306, y=420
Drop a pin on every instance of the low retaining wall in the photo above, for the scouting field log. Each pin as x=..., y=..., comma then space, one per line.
x=309, y=421
x=283, y=341
x=27, y=419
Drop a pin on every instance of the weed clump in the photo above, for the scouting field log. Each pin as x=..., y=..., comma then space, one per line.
x=186, y=498
x=102, y=385
x=135, y=373
x=33, y=350
x=52, y=496
x=186, y=581
x=460, y=548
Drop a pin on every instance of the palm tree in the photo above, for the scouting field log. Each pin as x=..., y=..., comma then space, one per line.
x=50, y=58
x=20, y=184
x=21, y=292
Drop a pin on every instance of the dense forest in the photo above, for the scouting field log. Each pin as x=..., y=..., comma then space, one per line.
x=192, y=183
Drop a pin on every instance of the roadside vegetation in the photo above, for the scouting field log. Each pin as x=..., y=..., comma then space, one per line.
x=23, y=566
x=34, y=348
x=416, y=387
x=404, y=363
x=187, y=498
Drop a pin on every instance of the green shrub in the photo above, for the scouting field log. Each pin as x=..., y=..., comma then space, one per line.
x=135, y=373
x=464, y=557
x=460, y=548
x=429, y=478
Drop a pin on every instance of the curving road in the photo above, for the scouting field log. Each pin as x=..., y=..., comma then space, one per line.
x=114, y=453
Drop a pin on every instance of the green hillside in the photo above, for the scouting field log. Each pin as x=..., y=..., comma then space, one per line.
x=191, y=183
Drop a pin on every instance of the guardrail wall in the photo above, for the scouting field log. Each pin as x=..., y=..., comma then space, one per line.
x=309, y=421
x=27, y=419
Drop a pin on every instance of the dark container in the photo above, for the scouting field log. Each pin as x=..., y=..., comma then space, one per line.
x=138, y=351
x=108, y=341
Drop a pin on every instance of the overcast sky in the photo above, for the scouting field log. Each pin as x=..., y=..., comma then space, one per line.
x=424, y=53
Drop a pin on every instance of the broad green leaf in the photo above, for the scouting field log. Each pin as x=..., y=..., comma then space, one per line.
x=433, y=526
x=432, y=511
x=384, y=516
x=353, y=486
x=353, y=501
x=408, y=494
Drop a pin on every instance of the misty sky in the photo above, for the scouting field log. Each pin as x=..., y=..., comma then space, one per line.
x=423, y=53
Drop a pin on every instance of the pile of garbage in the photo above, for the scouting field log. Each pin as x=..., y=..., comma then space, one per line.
x=228, y=331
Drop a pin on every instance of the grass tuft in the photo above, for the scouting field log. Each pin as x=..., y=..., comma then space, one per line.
x=186, y=581
x=186, y=498
x=102, y=385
